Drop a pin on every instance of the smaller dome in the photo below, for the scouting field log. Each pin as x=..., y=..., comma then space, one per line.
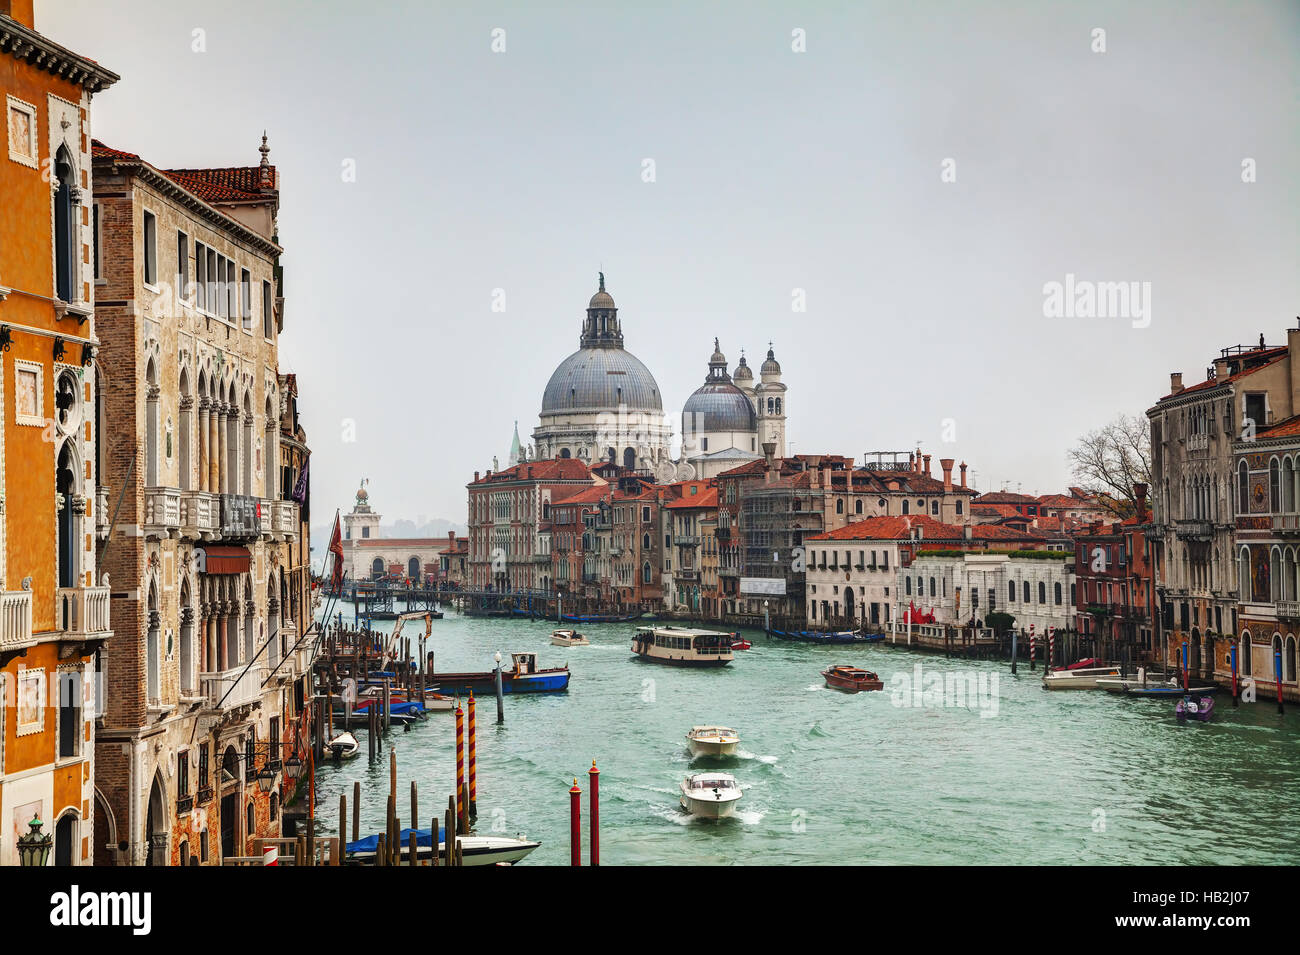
x=601, y=299
x=717, y=358
x=771, y=366
x=743, y=371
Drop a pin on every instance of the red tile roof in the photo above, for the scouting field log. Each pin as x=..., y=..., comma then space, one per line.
x=1005, y=497
x=708, y=497
x=1283, y=429
x=557, y=469
x=1269, y=356
x=893, y=528
x=229, y=184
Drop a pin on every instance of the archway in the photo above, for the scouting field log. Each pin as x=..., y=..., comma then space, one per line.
x=65, y=839
x=229, y=802
x=66, y=484
x=156, y=824
x=629, y=459
x=377, y=568
x=413, y=570
x=848, y=604
x=104, y=852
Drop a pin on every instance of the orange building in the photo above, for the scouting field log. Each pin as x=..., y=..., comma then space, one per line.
x=53, y=617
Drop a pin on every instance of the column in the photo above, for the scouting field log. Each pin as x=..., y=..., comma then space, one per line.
x=214, y=450
x=202, y=449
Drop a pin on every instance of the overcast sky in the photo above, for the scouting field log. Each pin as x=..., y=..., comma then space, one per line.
x=774, y=170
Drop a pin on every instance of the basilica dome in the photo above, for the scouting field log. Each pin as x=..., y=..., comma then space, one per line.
x=601, y=379
x=718, y=405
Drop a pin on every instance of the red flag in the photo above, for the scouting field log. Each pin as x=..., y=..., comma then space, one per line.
x=336, y=548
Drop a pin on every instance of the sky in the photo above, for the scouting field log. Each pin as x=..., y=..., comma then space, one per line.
x=917, y=174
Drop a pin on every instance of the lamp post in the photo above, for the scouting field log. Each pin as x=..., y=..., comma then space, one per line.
x=767, y=623
x=501, y=713
x=34, y=848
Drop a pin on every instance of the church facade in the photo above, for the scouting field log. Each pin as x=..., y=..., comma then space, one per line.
x=602, y=404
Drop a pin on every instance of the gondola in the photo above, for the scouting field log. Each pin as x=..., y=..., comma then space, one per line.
x=813, y=636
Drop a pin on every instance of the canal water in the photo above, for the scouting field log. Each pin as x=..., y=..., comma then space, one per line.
x=1009, y=774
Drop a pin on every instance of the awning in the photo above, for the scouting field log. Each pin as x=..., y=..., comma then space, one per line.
x=223, y=560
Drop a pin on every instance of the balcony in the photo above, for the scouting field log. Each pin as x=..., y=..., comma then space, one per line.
x=1198, y=442
x=162, y=512
x=200, y=515
x=285, y=523
x=687, y=573
x=83, y=612
x=1186, y=530
x=1286, y=524
x=241, y=517
x=1288, y=609
x=686, y=540
x=237, y=686
x=16, y=620
x=184, y=804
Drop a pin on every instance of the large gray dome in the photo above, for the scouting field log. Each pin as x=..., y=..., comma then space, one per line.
x=721, y=406
x=601, y=379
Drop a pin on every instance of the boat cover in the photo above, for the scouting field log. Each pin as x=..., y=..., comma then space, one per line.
x=423, y=837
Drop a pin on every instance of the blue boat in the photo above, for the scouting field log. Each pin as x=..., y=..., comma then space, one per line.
x=813, y=636
x=475, y=850
x=524, y=676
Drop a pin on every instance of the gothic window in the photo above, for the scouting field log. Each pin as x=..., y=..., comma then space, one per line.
x=65, y=227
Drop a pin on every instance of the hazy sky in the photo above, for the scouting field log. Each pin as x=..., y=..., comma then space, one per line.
x=775, y=170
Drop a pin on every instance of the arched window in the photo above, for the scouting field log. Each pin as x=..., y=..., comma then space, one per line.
x=1026, y=591
x=413, y=569
x=629, y=459
x=645, y=542
x=1274, y=486
x=252, y=822
x=65, y=227
x=564, y=452
x=905, y=511
x=933, y=588
x=1011, y=591
x=151, y=425
x=908, y=583
x=1057, y=587
x=377, y=568
x=857, y=506
x=839, y=505
x=1243, y=489
x=645, y=572
x=1289, y=660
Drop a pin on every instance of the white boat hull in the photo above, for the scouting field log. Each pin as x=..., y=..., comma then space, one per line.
x=712, y=747
x=1088, y=679
x=709, y=808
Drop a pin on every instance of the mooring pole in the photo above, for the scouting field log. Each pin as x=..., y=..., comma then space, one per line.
x=1013, y=650
x=593, y=775
x=1277, y=672
x=1232, y=657
x=462, y=826
x=473, y=761
x=501, y=710
x=575, y=832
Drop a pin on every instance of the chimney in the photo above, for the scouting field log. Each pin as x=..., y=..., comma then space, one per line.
x=530, y=472
x=769, y=452
x=946, y=464
x=826, y=478
x=475, y=475
x=451, y=538
x=963, y=474
x=927, y=465
x=20, y=10
x=1175, y=382
x=1140, y=492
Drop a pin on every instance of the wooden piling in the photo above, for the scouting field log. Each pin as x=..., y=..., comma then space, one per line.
x=412, y=840
x=433, y=837
x=343, y=818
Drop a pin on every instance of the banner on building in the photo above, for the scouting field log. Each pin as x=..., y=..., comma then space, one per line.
x=762, y=586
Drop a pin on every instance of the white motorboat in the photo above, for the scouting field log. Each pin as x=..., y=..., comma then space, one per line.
x=474, y=850
x=343, y=746
x=712, y=741
x=710, y=795
x=683, y=646
x=1084, y=678
x=568, y=638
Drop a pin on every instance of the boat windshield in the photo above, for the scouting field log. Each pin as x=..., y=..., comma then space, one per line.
x=712, y=783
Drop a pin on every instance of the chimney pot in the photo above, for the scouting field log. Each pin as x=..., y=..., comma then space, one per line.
x=1175, y=382
x=946, y=464
x=475, y=475
x=963, y=474
x=927, y=465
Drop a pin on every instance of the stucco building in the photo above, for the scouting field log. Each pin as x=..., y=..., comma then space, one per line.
x=206, y=678
x=54, y=608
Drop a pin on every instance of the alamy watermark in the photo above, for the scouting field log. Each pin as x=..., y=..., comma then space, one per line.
x=934, y=689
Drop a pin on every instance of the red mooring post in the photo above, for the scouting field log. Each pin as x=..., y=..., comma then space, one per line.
x=1277, y=673
x=593, y=775
x=473, y=762
x=1236, y=696
x=575, y=826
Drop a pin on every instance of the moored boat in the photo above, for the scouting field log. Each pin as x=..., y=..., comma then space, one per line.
x=524, y=676
x=853, y=679
x=1081, y=678
x=568, y=638
x=343, y=746
x=682, y=646
x=712, y=741
x=740, y=643
x=475, y=850
x=815, y=636
x=710, y=795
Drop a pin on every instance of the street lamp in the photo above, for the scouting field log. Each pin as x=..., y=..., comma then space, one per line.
x=34, y=848
x=266, y=780
x=293, y=766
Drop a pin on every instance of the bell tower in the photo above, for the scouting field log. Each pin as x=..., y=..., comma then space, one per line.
x=769, y=402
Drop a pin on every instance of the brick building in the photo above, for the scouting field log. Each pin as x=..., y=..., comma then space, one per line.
x=207, y=552
x=53, y=610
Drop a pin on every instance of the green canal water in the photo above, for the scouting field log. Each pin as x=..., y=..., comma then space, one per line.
x=828, y=777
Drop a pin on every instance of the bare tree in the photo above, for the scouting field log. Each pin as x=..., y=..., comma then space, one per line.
x=1107, y=462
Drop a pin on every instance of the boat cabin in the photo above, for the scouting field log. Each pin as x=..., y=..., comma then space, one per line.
x=681, y=638
x=524, y=662
x=712, y=782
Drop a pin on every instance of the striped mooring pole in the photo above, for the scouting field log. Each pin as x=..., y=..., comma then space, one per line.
x=473, y=762
x=1232, y=658
x=1051, y=650
x=462, y=809
x=270, y=855
x=1033, y=647
x=1277, y=673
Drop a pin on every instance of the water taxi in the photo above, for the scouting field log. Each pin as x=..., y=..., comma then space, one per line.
x=710, y=795
x=475, y=850
x=682, y=646
x=712, y=741
x=568, y=638
x=852, y=679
